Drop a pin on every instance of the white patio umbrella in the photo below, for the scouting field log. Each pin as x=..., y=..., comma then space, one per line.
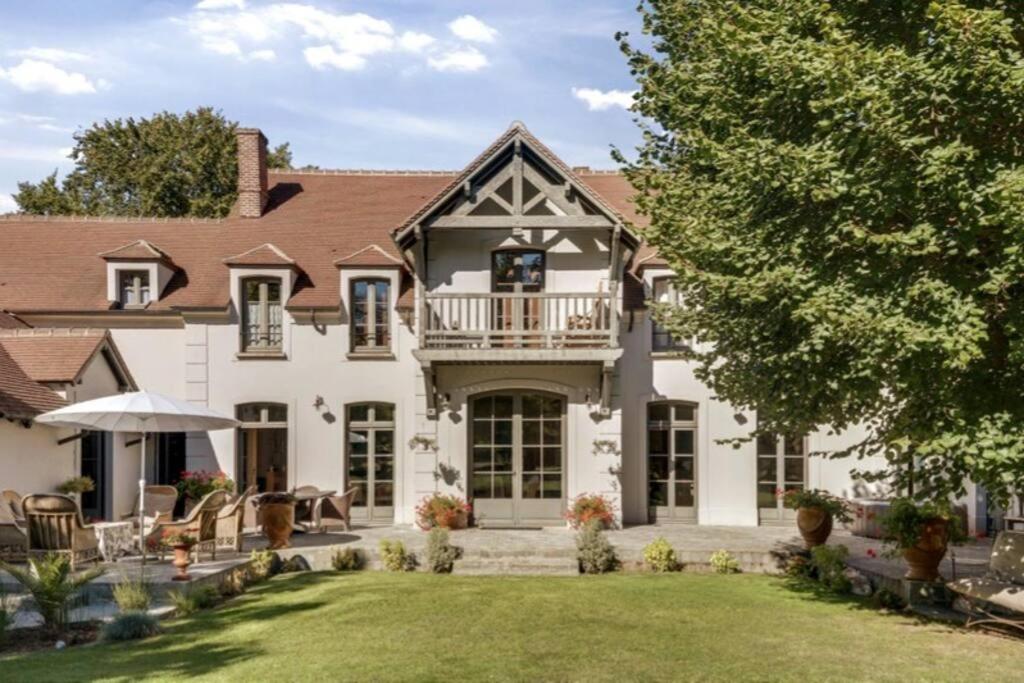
x=140, y=412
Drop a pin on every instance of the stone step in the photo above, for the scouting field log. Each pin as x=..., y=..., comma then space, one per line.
x=516, y=566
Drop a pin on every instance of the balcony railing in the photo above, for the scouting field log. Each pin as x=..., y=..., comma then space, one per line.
x=533, y=320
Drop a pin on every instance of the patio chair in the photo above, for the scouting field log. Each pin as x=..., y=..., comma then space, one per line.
x=13, y=542
x=12, y=503
x=307, y=512
x=230, y=521
x=201, y=522
x=55, y=526
x=337, y=510
x=159, y=505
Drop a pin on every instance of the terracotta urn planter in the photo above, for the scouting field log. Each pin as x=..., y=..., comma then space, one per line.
x=924, y=557
x=815, y=525
x=277, y=520
x=181, y=562
x=456, y=521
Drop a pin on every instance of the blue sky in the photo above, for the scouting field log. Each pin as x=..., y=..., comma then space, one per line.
x=349, y=83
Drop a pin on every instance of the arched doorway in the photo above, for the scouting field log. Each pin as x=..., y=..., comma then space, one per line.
x=517, y=458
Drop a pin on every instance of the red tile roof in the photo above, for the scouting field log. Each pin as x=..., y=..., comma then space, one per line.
x=21, y=398
x=52, y=355
x=10, y=322
x=263, y=255
x=371, y=256
x=139, y=250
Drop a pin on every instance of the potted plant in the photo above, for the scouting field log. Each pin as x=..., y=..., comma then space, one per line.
x=441, y=510
x=922, y=532
x=76, y=486
x=816, y=511
x=192, y=486
x=182, y=542
x=589, y=507
x=276, y=513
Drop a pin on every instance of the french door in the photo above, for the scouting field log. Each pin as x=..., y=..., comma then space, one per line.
x=96, y=464
x=517, y=451
x=672, y=462
x=781, y=466
x=371, y=461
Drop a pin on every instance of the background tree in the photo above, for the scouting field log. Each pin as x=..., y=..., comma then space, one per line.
x=164, y=166
x=838, y=187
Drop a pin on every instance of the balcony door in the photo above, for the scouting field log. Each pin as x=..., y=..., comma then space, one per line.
x=515, y=272
x=518, y=458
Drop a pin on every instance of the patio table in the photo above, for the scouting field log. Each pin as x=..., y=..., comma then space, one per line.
x=115, y=539
x=307, y=509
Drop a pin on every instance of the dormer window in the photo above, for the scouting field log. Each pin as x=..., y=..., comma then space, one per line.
x=371, y=328
x=133, y=289
x=261, y=314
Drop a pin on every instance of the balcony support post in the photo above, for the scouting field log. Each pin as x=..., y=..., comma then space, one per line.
x=614, y=269
x=607, y=377
x=429, y=388
x=421, y=284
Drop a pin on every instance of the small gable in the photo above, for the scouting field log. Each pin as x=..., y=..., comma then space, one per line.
x=263, y=255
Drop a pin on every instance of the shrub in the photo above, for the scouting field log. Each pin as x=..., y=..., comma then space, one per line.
x=6, y=614
x=348, y=560
x=234, y=583
x=76, y=485
x=395, y=557
x=887, y=599
x=441, y=554
x=723, y=562
x=52, y=585
x=295, y=563
x=660, y=557
x=590, y=507
x=132, y=596
x=131, y=626
x=263, y=564
x=798, y=567
x=836, y=507
x=199, y=597
x=595, y=554
x=828, y=562
x=440, y=510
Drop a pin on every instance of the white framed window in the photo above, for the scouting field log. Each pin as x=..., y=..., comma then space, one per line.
x=262, y=327
x=781, y=466
x=664, y=291
x=371, y=324
x=133, y=288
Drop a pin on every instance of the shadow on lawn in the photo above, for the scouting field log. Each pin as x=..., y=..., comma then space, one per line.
x=813, y=590
x=175, y=652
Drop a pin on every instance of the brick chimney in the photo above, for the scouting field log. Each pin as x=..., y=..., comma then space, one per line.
x=252, y=172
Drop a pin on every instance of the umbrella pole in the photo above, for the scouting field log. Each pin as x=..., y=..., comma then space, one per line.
x=142, y=513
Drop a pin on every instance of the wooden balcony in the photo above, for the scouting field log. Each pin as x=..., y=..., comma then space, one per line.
x=527, y=321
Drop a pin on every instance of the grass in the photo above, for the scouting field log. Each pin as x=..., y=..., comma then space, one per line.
x=379, y=626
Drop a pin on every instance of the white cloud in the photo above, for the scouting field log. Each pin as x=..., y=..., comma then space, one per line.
x=412, y=41
x=324, y=56
x=222, y=46
x=263, y=55
x=7, y=203
x=463, y=59
x=470, y=28
x=599, y=100
x=32, y=75
x=50, y=54
x=220, y=4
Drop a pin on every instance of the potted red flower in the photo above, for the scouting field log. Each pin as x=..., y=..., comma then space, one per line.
x=590, y=507
x=921, y=532
x=193, y=486
x=816, y=510
x=444, y=511
x=182, y=542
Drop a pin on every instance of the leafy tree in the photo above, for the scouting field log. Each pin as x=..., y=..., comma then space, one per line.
x=838, y=187
x=166, y=165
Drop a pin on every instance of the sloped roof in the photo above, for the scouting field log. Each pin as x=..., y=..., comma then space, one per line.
x=21, y=398
x=139, y=250
x=263, y=255
x=52, y=355
x=10, y=322
x=371, y=256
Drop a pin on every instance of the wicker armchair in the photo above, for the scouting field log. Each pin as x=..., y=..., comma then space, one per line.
x=13, y=541
x=230, y=521
x=159, y=505
x=54, y=526
x=12, y=503
x=336, y=510
x=201, y=522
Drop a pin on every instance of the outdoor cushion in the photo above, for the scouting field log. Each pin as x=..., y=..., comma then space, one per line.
x=1007, y=563
x=999, y=593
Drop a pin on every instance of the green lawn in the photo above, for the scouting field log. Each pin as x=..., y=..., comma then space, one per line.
x=375, y=626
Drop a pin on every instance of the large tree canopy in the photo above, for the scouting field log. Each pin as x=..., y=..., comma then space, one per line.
x=839, y=188
x=164, y=166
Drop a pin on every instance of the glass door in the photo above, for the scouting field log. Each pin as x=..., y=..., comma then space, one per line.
x=518, y=463
x=371, y=461
x=672, y=462
x=517, y=272
x=781, y=466
x=95, y=464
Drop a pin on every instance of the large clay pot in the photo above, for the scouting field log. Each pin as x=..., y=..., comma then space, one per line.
x=277, y=520
x=182, y=562
x=815, y=525
x=924, y=558
x=460, y=520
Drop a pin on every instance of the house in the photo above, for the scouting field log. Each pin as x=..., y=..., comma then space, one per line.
x=45, y=369
x=481, y=332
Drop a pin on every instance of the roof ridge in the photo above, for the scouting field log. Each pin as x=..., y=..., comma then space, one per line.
x=52, y=332
x=35, y=218
x=361, y=171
